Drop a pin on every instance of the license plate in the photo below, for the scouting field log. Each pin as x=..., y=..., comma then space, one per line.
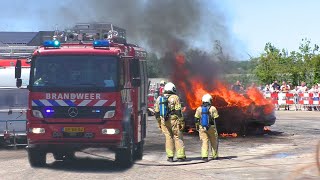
x=73, y=129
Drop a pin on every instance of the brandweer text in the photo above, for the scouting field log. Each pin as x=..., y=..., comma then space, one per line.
x=72, y=96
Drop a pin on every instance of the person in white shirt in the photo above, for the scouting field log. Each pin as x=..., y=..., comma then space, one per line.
x=284, y=87
x=303, y=88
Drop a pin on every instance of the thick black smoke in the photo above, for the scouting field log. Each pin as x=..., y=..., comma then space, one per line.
x=159, y=25
x=162, y=26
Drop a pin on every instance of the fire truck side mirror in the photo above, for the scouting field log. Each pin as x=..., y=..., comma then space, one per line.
x=19, y=83
x=17, y=73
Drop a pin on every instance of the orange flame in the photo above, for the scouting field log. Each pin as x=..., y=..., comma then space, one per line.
x=229, y=135
x=266, y=128
x=196, y=88
x=191, y=131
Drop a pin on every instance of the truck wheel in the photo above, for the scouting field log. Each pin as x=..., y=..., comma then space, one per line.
x=70, y=155
x=124, y=157
x=60, y=156
x=37, y=158
x=139, y=151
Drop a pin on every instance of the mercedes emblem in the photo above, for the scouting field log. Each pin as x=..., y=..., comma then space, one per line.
x=73, y=111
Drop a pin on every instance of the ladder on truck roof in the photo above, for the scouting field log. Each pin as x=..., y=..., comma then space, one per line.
x=14, y=52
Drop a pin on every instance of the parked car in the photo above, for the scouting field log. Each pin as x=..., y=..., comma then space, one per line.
x=13, y=107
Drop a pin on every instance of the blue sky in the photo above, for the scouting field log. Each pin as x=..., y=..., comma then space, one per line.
x=283, y=23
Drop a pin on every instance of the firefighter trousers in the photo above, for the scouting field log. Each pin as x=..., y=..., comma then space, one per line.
x=206, y=136
x=174, y=137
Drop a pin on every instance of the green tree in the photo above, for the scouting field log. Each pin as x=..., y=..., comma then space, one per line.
x=296, y=66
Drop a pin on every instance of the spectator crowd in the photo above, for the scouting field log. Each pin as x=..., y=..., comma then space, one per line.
x=276, y=87
x=286, y=87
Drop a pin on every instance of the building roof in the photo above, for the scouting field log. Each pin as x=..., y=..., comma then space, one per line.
x=22, y=38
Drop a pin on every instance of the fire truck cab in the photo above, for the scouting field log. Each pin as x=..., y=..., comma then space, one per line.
x=86, y=94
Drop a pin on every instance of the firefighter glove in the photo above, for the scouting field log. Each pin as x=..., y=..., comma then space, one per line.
x=197, y=126
x=159, y=123
x=182, y=125
x=157, y=114
x=197, y=123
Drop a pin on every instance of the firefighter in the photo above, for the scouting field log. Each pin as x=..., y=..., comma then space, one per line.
x=205, y=123
x=161, y=88
x=170, y=121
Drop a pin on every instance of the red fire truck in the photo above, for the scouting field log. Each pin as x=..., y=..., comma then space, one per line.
x=84, y=95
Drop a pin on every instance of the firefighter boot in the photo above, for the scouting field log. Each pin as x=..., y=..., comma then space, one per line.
x=170, y=159
x=204, y=159
x=181, y=159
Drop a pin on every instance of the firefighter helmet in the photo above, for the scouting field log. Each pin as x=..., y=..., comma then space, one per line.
x=170, y=87
x=207, y=98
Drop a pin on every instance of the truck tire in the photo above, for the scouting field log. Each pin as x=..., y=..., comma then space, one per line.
x=37, y=158
x=125, y=157
x=139, y=151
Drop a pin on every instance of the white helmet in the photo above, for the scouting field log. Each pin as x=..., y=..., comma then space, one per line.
x=170, y=87
x=162, y=82
x=207, y=98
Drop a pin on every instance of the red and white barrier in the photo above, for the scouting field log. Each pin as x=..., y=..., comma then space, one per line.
x=289, y=98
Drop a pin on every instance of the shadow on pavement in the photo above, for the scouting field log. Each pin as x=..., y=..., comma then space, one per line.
x=87, y=165
x=266, y=133
x=219, y=158
x=188, y=161
x=227, y=157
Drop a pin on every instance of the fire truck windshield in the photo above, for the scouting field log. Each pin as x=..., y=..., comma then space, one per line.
x=74, y=71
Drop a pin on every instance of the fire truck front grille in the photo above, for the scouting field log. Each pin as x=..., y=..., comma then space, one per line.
x=73, y=112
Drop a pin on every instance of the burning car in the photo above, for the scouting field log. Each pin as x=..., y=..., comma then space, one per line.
x=235, y=119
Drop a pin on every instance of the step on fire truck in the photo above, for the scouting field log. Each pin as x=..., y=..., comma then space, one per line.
x=86, y=94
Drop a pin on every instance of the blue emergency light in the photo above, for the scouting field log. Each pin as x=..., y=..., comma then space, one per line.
x=54, y=43
x=49, y=110
x=101, y=43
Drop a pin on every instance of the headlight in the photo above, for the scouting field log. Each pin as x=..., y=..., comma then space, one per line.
x=109, y=114
x=37, y=113
x=110, y=131
x=37, y=130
